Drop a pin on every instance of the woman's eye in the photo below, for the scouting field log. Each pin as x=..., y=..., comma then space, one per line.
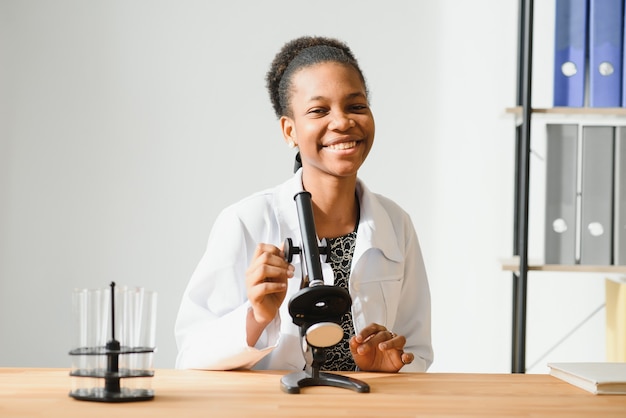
x=359, y=107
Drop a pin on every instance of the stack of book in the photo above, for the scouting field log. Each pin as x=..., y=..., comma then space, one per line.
x=589, y=34
x=586, y=219
x=597, y=378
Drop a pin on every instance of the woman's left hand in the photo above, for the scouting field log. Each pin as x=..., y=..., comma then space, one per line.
x=376, y=349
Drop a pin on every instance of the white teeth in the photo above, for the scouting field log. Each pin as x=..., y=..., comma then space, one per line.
x=343, y=145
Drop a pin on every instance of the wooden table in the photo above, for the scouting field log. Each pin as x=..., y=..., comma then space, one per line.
x=194, y=393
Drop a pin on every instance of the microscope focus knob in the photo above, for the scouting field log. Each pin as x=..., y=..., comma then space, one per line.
x=290, y=250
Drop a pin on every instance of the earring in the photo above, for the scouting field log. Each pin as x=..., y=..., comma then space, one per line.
x=291, y=143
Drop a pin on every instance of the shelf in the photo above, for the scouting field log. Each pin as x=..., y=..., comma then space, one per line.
x=525, y=117
x=512, y=264
x=591, y=111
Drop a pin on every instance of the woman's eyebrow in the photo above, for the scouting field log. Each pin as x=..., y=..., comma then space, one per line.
x=349, y=96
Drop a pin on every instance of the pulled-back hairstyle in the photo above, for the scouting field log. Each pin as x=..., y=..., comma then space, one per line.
x=301, y=53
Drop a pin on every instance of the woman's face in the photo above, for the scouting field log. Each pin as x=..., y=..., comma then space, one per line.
x=332, y=123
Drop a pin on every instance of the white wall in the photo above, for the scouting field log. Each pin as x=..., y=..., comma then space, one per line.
x=125, y=126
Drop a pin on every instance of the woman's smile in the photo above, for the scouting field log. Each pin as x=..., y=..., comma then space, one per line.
x=342, y=146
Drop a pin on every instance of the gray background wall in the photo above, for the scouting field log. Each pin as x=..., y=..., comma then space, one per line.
x=125, y=126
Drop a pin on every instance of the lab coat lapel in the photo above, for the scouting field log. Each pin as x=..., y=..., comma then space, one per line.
x=376, y=229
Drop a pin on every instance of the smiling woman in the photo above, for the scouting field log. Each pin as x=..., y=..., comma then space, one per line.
x=331, y=122
x=234, y=311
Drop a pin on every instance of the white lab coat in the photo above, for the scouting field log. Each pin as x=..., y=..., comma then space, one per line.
x=388, y=284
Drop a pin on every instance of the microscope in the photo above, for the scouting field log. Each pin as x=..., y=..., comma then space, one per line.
x=316, y=308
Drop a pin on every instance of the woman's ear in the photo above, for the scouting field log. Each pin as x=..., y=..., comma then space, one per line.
x=288, y=128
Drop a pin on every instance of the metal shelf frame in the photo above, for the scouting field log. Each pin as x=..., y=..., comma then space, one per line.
x=522, y=176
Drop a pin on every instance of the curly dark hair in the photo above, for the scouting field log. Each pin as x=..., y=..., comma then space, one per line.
x=300, y=53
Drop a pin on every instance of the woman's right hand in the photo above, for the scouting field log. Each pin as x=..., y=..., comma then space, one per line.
x=266, y=284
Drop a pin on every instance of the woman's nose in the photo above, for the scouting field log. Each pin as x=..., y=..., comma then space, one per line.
x=341, y=122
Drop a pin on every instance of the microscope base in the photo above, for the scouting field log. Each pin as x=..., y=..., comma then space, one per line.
x=293, y=382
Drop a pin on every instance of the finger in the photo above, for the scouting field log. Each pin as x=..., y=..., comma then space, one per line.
x=372, y=342
x=394, y=342
x=269, y=254
x=267, y=263
x=261, y=290
x=407, y=358
x=267, y=248
x=369, y=332
x=358, y=347
x=268, y=274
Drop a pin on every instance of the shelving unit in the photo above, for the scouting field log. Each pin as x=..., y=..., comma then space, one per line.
x=590, y=111
x=512, y=264
x=519, y=265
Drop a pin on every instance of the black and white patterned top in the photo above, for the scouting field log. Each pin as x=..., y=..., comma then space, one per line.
x=338, y=357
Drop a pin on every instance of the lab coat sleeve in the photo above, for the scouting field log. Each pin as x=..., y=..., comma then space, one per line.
x=414, y=309
x=211, y=324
